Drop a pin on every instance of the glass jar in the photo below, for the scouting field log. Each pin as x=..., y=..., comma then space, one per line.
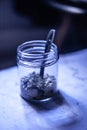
x=38, y=70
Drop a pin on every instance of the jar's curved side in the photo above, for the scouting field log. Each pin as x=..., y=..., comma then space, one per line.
x=32, y=86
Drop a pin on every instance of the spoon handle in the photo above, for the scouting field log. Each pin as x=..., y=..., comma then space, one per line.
x=50, y=38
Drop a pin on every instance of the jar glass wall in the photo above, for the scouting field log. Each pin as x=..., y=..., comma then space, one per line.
x=32, y=62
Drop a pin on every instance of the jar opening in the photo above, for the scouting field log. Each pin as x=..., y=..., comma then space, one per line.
x=33, y=52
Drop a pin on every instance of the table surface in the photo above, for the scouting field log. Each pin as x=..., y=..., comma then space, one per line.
x=70, y=114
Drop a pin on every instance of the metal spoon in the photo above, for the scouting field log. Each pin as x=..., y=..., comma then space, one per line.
x=49, y=41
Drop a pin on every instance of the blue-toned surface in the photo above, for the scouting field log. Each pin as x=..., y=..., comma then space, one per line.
x=71, y=114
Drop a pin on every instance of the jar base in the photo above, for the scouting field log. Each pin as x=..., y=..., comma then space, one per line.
x=56, y=97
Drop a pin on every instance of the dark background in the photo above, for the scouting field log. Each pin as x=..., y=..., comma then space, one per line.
x=23, y=20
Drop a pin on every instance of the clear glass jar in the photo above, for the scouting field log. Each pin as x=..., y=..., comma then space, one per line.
x=32, y=62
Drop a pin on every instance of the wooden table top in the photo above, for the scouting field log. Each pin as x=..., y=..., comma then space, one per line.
x=69, y=114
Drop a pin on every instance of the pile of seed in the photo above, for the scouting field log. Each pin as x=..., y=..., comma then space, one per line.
x=35, y=87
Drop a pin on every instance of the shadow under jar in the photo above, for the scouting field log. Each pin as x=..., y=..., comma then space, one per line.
x=31, y=60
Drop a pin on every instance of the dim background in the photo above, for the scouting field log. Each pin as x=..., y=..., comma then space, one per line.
x=24, y=20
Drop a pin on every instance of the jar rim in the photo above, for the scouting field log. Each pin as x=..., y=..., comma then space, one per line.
x=27, y=43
